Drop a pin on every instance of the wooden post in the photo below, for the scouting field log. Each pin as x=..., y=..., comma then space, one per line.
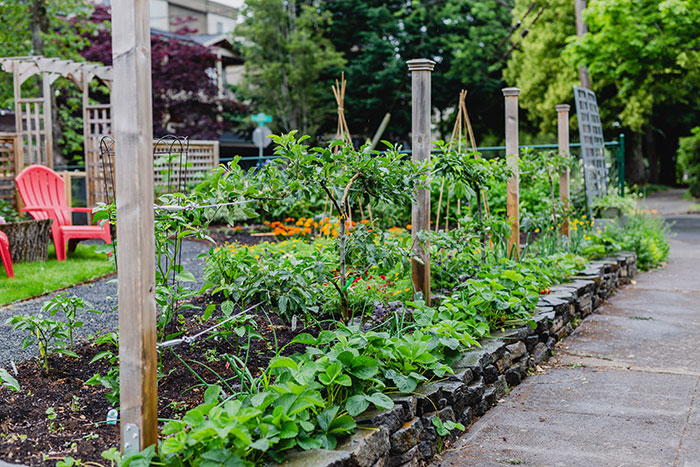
x=564, y=186
x=512, y=156
x=67, y=187
x=131, y=53
x=48, y=120
x=420, y=129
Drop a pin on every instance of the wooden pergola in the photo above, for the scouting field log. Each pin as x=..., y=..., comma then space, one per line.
x=33, y=115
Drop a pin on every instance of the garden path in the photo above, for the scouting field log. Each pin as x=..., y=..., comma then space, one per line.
x=101, y=294
x=622, y=390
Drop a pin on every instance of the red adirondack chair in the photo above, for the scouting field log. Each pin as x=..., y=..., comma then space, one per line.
x=5, y=255
x=42, y=192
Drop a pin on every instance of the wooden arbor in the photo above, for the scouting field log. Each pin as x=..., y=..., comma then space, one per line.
x=34, y=141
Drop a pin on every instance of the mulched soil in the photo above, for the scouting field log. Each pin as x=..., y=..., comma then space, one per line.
x=79, y=430
x=247, y=235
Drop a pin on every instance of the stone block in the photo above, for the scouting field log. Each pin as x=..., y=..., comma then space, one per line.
x=406, y=437
x=513, y=375
x=510, y=336
x=466, y=417
x=317, y=458
x=475, y=392
x=455, y=394
x=540, y=353
x=517, y=349
x=408, y=458
x=474, y=360
x=429, y=396
x=409, y=403
x=392, y=419
x=531, y=342
x=367, y=446
x=463, y=375
x=504, y=362
x=490, y=374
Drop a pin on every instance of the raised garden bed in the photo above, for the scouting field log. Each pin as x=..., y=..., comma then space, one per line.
x=403, y=435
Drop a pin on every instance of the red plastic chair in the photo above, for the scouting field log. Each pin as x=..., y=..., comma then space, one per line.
x=5, y=255
x=42, y=192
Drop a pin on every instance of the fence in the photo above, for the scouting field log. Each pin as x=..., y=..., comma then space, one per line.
x=203, y=156
x=8, y=166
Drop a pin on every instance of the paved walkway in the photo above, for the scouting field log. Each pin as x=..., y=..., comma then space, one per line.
x=622, y=390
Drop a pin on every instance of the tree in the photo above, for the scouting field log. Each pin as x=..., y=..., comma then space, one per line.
x=377, y=37
x=55, y=28
x=647, y=51
x=185, y=97
x=536, y=65
x=289, y=62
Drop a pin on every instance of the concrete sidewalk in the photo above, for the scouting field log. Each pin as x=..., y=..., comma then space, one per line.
x=622, y=390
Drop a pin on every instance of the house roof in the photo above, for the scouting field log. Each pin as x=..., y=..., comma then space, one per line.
x=221, y=44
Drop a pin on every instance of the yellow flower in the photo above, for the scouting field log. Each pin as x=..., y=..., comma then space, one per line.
x=537, y=230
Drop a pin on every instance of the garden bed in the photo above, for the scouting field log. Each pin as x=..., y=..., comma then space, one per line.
x=406, y=435
x=58, y=415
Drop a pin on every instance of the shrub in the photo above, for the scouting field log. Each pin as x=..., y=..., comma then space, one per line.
x=689, y=160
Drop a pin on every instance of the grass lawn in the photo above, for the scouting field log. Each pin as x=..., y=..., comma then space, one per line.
x=40, y=277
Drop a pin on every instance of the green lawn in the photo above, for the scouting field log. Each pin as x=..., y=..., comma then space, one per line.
x=39, y=277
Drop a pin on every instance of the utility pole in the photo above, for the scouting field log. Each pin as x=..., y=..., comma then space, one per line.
x=582, y=29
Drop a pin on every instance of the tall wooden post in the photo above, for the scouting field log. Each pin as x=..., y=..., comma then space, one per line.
x=581, y=30
x=563, y=137
x=512, y=156
x=133, y=131
x=420, y=129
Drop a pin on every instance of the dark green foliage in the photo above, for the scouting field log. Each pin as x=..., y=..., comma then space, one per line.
x=689, y=160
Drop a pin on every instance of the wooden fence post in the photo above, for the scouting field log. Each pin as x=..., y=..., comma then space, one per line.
x=564, y=184
x=512, y=156
x=133, y=130
x=420, y=129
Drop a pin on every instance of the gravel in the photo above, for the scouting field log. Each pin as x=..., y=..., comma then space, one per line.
x=102, y=295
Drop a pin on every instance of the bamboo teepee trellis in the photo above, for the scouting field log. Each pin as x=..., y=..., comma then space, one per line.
x=462, y=128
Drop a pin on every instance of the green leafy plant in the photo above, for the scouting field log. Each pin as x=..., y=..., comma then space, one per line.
x=348, y=177
x=8, y=380
x=8, y=213
x=110, y=380
x=69, y=306
x=48, y=335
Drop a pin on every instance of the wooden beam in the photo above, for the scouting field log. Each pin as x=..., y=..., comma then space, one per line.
x=512, y=156
x=564, y=182
x=48, y=120
x=421, y=68
x=133, y=125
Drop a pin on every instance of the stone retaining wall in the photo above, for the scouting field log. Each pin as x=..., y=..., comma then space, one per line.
x=404, y=436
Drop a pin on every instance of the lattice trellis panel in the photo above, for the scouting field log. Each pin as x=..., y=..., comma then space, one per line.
x=8, y=167
x=202, y=156
x=595, y=169
x=33, y=131
x=97, y=123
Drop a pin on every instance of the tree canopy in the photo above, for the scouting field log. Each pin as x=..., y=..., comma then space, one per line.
x=289, y=61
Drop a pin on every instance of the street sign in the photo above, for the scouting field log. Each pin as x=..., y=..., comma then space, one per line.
x=260, y=137
x=595, y=170
x=261, y=119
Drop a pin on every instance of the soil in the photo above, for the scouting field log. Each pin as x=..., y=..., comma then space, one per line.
x=79, y=429
x=246, y=235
